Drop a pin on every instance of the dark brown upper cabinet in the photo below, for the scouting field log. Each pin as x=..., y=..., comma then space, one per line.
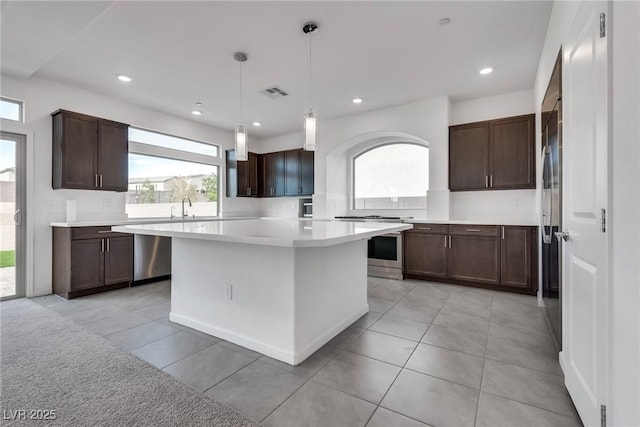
x=493, y=155
x=273, y=174
x=242, y=177
x=281, y=173
x=298, y=176
x=89, y=153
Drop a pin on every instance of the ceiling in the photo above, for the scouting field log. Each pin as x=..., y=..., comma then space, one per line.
x=179, y=53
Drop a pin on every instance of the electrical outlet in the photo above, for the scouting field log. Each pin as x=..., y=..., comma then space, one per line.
x=228, y=291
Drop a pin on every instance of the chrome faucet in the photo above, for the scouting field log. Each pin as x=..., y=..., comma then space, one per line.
x=185, y=215
x=173, y=215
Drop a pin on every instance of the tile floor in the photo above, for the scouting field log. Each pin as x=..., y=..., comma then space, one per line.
x=426, y=354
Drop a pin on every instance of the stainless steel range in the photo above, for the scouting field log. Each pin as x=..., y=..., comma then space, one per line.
x=385, y=252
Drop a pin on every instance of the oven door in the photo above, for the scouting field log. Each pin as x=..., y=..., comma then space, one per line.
x=386, y=251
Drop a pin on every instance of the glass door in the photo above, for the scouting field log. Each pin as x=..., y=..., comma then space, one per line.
x=12, y=215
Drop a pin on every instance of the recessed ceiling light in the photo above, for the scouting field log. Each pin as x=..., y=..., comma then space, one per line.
x=357, y=100
x=123, y=78
x=256, y=124
x=196, y=112
x=444, y=21
x=487, y=70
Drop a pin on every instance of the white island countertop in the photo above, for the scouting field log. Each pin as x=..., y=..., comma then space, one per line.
x=269, y=232
x=133, y=221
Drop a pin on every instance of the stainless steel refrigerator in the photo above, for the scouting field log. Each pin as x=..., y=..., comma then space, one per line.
x=551, y=201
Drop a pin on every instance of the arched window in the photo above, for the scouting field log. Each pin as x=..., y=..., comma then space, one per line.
x=391, y=176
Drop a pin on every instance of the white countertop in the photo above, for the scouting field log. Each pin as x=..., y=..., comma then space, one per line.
x=132, y=221
x=269, y=232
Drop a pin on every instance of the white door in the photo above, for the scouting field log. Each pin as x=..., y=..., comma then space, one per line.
x=584, y=269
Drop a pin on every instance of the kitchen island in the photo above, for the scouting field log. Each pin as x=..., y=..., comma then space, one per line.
x=282, y=287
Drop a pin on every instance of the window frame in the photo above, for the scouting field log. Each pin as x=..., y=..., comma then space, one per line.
x=20, y=108
x=352, y=170
x=181, y=155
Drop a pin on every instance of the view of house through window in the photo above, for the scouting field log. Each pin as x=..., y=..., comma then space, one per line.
x=392, y=176
x=161, y=178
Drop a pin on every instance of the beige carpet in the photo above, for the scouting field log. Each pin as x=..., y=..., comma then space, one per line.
x=49, y=363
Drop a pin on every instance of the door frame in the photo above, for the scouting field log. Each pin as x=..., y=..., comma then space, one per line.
x=27, y=217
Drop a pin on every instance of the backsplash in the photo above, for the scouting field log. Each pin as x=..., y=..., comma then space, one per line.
x=517, y=205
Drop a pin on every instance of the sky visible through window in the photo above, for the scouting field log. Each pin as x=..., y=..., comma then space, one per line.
x=141, y=166
x=10, y=110
x=7, y=154
x=394, y=170
x=173, y=142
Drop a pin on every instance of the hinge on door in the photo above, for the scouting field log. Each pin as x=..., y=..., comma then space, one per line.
x=603, y=416
x=602, y=25
x=603, y=220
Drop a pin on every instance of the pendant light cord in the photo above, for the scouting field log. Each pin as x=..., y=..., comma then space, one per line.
x=310, y=86
x=240, y=120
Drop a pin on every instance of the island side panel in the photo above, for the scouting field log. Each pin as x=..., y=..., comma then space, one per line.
x=330, y=293
x=259, y=315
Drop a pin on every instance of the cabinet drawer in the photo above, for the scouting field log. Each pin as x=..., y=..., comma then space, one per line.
x=429, y=228
x=79, y=233
x=474, y=230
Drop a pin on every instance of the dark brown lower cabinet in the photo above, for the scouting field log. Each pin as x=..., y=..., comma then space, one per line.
x=87, y=260
x=425, y=254
x=474, y=258
x=519, y=255
x=495, y=257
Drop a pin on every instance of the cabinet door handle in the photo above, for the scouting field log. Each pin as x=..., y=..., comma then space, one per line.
x=100, y=180
x=473, y=230
x=424, y=228
x=108, y=244
x=101, y=245
x=445, y=241
x=503, y=232
x=486, y=181
x=449, y=242
x=96, y=180
x=490, y=180
x=104, y=231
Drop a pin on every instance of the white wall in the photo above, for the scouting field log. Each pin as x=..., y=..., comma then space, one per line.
x=427, y=120
x=492, y=107
x=624, y=218
x=518, y=205
x=41, y=98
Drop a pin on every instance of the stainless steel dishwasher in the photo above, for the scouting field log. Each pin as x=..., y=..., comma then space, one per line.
x=152, y=258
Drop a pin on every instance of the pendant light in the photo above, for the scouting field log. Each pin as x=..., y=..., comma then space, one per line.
x=310, y=113
x=241, y=131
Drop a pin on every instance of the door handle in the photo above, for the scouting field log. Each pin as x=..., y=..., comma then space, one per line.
x=424, y=228
x=108, y=245
x=101, y=245
x=17, y=217
x=564, y=235
x=96, y=180
x=486, y=181
x=100, y=180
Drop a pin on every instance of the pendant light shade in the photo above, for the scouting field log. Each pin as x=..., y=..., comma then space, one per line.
x=242, y=150
x=241, y=144
x=310, y=116
x=310, y=129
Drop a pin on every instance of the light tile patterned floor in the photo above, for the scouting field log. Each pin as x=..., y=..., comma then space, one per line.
x=426, y=354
